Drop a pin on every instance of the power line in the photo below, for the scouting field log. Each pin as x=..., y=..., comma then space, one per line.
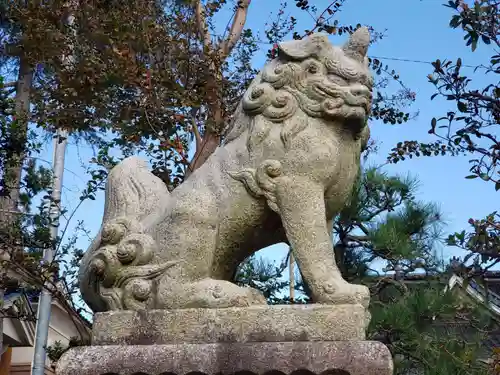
x=412, y=61
x=386, y=58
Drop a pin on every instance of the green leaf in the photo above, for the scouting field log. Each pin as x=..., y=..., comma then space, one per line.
x=470, y=177
x=462, y=107
x=433, y=123
x=473, y=45
x=497, y=186
x=451, y=241
x=455, y=21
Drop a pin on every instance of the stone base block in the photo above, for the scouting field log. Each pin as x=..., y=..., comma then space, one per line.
x=270, y=358
x=278, y=323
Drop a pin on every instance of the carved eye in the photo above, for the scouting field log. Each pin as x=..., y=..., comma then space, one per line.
x=313, y=69
x=338, y=80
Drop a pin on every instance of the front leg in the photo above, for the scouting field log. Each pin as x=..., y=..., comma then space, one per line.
x=301, y=205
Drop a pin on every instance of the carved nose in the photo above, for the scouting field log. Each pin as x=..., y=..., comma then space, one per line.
x=360, y=90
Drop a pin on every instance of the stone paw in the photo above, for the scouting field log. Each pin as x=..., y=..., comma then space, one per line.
x=337, y=292
x=209, y=293
x=248, y=297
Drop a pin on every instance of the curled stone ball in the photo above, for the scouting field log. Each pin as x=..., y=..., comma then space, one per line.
x=329, y=104
x=113, y=233
x=141, y=289
x=126, y=252
x=217, y=292
x=329, y=288
x=98, y=266
x=281, y=100
x=257, y=92
x=273, y=169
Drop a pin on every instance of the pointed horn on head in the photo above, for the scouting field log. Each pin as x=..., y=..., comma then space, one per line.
x=357, y=45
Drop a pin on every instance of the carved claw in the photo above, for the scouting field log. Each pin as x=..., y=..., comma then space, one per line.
x=341, y=292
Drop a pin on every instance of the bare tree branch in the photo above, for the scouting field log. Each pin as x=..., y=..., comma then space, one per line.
x=236, y=28
x=197, y=135
x=10, y=84
x=202, y=25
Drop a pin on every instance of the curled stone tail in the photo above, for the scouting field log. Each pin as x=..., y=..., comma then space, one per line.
x=117, y=272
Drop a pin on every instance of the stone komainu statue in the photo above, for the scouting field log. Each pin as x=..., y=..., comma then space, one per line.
x=286, y=168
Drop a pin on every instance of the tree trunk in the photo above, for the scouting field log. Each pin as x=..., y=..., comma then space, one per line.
x=219, y=53
x=44, y=306
x=13, y=167
x=1, y=328
x=211, y=138
x=208, y=146
x=340, y=250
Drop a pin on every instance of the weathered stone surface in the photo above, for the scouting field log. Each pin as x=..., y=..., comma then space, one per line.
x=251, y=324
x=299, y=358
x=287, y=166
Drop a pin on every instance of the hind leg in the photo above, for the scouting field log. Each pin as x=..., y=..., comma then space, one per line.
x=193, y=238
x=189, y=284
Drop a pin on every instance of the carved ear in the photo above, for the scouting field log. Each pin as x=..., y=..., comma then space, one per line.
x=365, y=137
x=314, y=45
x=357, y=45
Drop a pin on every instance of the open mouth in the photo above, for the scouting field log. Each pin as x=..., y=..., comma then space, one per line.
x=363, y=103
x=358, y=101
x=348, y=98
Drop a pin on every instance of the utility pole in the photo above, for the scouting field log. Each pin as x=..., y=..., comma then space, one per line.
x=45, y=301
x=60, y=143
x=291, y=273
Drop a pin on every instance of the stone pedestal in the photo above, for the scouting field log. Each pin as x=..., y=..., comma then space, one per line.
x=299, y=339
x=256, y=358
x=279, y=323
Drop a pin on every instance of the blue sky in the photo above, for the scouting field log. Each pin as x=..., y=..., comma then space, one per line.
x=416, y=30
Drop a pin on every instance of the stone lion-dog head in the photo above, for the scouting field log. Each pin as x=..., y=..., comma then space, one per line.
x=310, y=78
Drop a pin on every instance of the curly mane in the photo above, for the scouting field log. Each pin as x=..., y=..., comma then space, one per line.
x=310, y=78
